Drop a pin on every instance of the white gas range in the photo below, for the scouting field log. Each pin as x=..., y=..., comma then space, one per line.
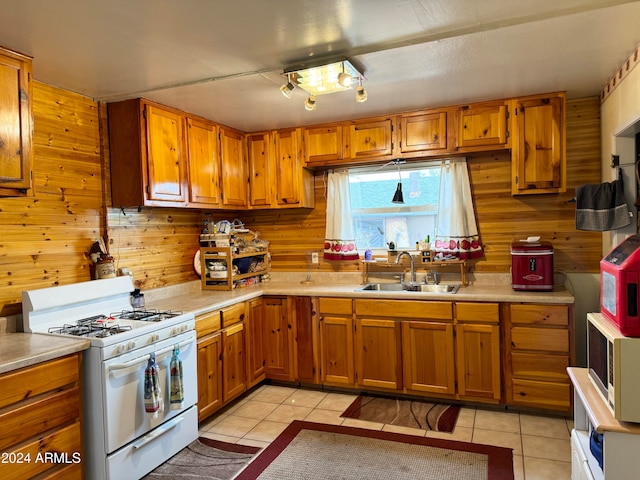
x=121, y=439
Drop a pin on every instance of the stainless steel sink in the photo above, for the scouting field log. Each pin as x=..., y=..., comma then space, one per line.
x=415, y=287
x=440, y=288
x=386, y=287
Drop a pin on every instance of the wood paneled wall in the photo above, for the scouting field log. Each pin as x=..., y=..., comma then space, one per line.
x=501, y=217
x=44, y=237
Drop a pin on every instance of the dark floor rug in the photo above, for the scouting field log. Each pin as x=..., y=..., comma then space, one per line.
x=440, y=417
x=315, y=451
x=205, y=458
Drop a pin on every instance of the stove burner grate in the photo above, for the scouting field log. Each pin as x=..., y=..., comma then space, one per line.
x=95, y=326
x=146, y=315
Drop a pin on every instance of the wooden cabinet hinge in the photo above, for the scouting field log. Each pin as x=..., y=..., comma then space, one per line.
x=148, y=190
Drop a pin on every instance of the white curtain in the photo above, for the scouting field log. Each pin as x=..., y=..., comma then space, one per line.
x=339, y=243
x=456, y=230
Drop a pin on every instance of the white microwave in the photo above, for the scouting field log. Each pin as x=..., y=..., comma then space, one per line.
x=614, y=365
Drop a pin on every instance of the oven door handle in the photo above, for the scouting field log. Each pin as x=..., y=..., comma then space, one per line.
x=161, y=430
x=145, y=358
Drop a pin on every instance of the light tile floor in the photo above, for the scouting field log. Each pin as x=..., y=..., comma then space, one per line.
x=541, y=448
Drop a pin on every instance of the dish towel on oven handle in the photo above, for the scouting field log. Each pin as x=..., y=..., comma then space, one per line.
x=153, y=402
x=176, y=398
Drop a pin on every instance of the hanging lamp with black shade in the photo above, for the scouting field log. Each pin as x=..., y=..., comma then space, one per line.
x=398, y=197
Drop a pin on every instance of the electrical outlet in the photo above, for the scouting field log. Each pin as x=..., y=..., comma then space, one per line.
x=314, y=258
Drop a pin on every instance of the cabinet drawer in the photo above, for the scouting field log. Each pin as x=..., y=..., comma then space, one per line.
x=66, y=440
x=336, y=306
x=208, y=323
x=233, y=314
x=404, y=309
x=477, y=312
x=29, y=382
x=540, y=314
x=540, y=339
x=33, y=418
x=542, y=394
x=540, y=367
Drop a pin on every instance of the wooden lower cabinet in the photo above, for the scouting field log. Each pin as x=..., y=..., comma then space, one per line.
x=278, y=339
x=307, y=337
x=40, y=412
x=378, y=353
x=233, y=362
x=255, y=333
x=209, y=374
x=336, y=341
x=539, y=348
x=428, y=356
x=478, y=350
x=222, y=358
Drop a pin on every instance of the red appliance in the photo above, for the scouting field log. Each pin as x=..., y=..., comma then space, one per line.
x=531, y=265
x=619, y=277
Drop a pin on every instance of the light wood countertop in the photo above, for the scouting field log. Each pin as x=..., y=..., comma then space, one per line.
x=19, y=350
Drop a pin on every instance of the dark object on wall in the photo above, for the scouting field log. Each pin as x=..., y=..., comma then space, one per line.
x=601, y=207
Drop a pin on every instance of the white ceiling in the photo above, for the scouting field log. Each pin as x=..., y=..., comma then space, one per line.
x=223, y=59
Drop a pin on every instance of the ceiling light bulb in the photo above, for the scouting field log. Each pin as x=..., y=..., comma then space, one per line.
x=310, y=103
x=361, y=94
x=344, y=79
x=287, y=88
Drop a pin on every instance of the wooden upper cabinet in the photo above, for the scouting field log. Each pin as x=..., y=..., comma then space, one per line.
x=423, y=133
x=204, y=163
x=370, y=139
x=234, y=175
x=148, y=154
x=483, y=125
x=16, y=158
x=260, y=172
x=166, y=154
x=538, y=156
x=323, y=144
x=294, y=184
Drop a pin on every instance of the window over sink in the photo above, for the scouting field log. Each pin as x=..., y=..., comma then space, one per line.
x=377, y=221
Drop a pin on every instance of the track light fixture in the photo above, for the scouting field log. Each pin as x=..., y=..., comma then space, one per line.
x=361, y=93
x=322, y=78
x=310, y=103
x=287, y=88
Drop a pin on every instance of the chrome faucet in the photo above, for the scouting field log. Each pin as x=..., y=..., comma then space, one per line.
x=413, y=269
x=434, y=277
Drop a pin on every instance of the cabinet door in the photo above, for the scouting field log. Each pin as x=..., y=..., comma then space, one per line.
x=323, y=144
x=288, y=168
x=483, y=125
x=260, y=174
x=166, y=163
x=209, y=375
x=370, y=139
x=233, y=362
x=378, y=353
x=204, y=163
x=255, y=328
x=306, y=339
x=423, y=133
x=538, y=155
x=234, y=175
x=336, y=343
x=278, y=339
x=16, y=126
x=478, y=358
x=428, y=354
